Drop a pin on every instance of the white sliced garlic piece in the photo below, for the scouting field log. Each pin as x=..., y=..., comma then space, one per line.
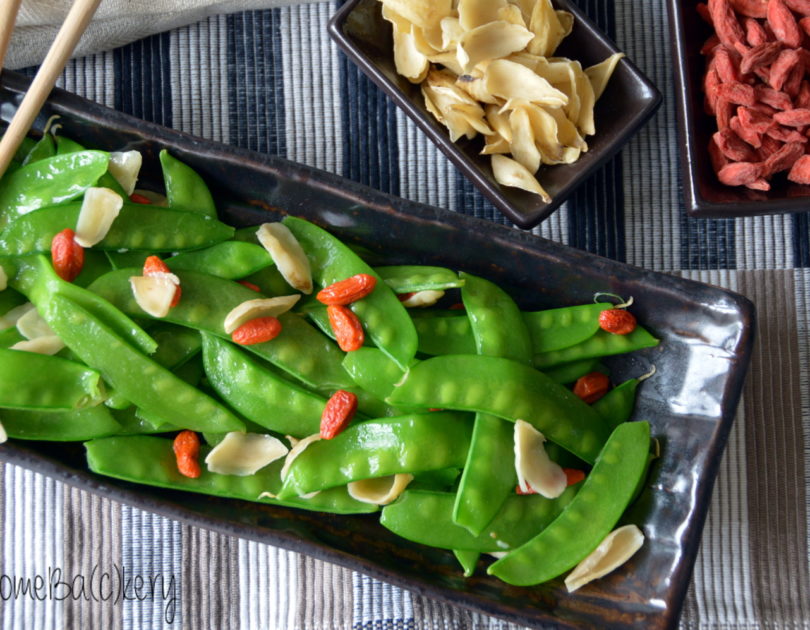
x=287, y=254
x=262, y=307
x=3, y=279
x=299, y=447
x=49, y=344
x=99, y=209
x=419, y=299
x=534, y=469
x=616, y=549
x=31, y=325
x=154, y=294
x=11, y=318
x=381, y=490
x=125, y=167
x=244, y=454
x=511, y=173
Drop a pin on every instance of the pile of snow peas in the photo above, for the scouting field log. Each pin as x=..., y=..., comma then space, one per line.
x=439, y=388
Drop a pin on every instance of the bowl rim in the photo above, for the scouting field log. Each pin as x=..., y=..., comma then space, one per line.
x=481, y=180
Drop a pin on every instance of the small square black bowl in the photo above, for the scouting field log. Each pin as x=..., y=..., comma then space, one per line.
x=627, y=103
x=704, y=195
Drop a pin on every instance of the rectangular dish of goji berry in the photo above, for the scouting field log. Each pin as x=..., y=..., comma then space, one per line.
x=743, y=94
x=703, y=343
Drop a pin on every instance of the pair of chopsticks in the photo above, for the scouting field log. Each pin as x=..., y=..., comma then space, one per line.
x=66, y=39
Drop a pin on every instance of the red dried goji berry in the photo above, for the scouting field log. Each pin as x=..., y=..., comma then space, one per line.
x=187, y=451
x=758, y=184
x=783, y=24
x=754, y=33
x=749, y=135
x=346, y=326
x=753, y=119
x=593, y=386
x=725, y=22
x=798, y=117
x=728, y=66
x=800, y=172
x=404, y=297
x=347, y=291
x=617, y=321
x=520, y=491
x=783, y=158
x=137, y=198
x=799, y=6
x=781, y=69
x=739, y=173
x=154, y=266
x=338, y=413
x=250, y=285
x=737, y=93
x=751, y=8
x=709, y=45
x=804, y=24
x=256, y=331
x=785, y=134
x=733, y=147
x=762, y=55
x=772, y=98
x=574, y=475
x=67, y=255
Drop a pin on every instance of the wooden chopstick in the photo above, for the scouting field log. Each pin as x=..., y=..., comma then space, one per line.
x=66, y=39
x=8, y=15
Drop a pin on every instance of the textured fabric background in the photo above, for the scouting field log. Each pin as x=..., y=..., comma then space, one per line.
x=271, y=81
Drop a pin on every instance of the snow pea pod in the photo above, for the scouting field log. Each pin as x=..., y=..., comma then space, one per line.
x=49, y=182
x=66, y=145
x=425, y=517
x=591, y=515
x=444, y=334
x=373, y=370
x=601, y=344
x=137, y=227
x=59, y=426
x=558, y=328
x=185, y=189
x=9, y=299
x=376, y=448
x=259, y=394
x=411, y=278
x=44, y=148
x=299, y=350
x=467, y=559
x=617, y=405
x=386, y=321
x=506, y=389
x=36, y=279
x=231, y=260
x=146, y=383
x=570, y=372
x=9, y=337
x=150, y=460
x=36, y=381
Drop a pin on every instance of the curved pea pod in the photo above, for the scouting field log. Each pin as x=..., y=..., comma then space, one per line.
x=617, y=405
x=36, y=279
x=591, y=515
x=373, y=370
x=467, y=559
x=259, y=394
x=44, y=148
x=136, y=377
x=299, y=350
x=412, y=278
x=9, y=299
x=377, y=448
x=131, y=423
x=444, y=334
x=558, y=328
x=270, y=281
x=570, y=372
x=185, y=189
x=495, y=320
x=601, y=344
x=231, y=260
x=385, y=320
x=150, y=460
x=137, y=227
x=9, y=337
x=66, y=145
x=425, y=517
x=36, y=381
x=506, y=389
x=59, y=426
x=48, y=182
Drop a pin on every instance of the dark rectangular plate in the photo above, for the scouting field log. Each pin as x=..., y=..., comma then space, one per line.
x=706, y=338
x=704, y=195
x=627, y=103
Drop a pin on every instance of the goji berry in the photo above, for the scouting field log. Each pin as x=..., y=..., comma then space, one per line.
x=67, y=255
x=593, y=386
x=772, y=98
x=574, y=475
x=780, y=70
x=338, y=413
x=784, y=158
x=256, y=331
x=346, y=326
x=800, y=172
x=733, y=147
x=153, y=266
x=739, y=173
x=136, y=198
x=725, y=23
x=749, y=135
x=762, y=55
x=347, y=291
x=754, y=33
x=799, y=6
x=404, y=297
x=618, y=320
x=737, y=93
x=250, y=285
x=187, y=451
x=751, y=8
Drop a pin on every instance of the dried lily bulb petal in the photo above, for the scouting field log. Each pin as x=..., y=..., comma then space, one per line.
x=527, y=59
x=454, y=121
x=535, y=471
x=244, y=454
x=524, y=150
x=381, y=490
x=499, y=121
x=566, y=21
x=512, y=14
x=421, y=43
x=509, y=80
x=587, y=99
x=600, y=73
x=567, y=132
x=474, y=115
x=125, y=167
x=299, y=447
x=449, y=60
x=491, y=41
x=616, y=549
x=285, y=250
x=476, y=87
x=451, y=32
x=11, y=317
x=510, y=173
x=430, y=105
x=495, y=145
x=572, y=154
x=410, y=62
x=100, y=207
x=475, y=13
x=154, y=294
x=49, y=344
x=545, y=24
x=421, y=299
x=391, y=15
x=544, y=127
x=423, y=13
x=31, y=325
x=262, y=307
x=432, y=35
x=554, y=70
